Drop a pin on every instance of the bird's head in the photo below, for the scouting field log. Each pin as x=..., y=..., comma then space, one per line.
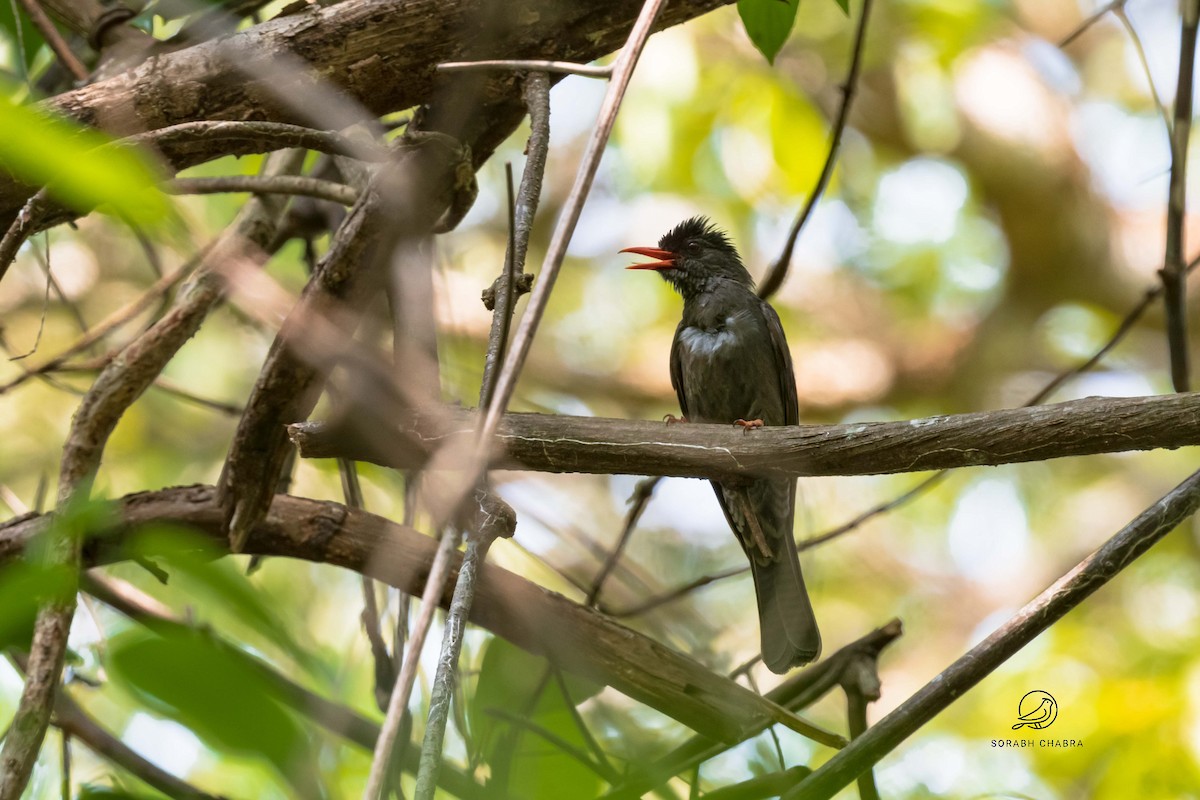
x=694, y=255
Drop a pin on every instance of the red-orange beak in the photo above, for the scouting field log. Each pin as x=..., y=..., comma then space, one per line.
x=666, y=259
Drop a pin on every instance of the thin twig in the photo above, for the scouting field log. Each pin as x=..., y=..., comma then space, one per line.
x=537, y=101
x=1090, y=21
x=1144, y=62
x=113, y=321
x=43, y=259
x=675, y=594
x=37, y=337
x=638, y=502
x=569, y=217
x=62, y=50
x=1173, y=275
x=580, y=724
x=384, y=676
x=385, y=745
x=26, y=223
x=259, y=184
x=562, y=67
x=870, y=513
x=1051, y=605
x=65, y=769
x=779, y=269
x=494, y=519
x=607, y=773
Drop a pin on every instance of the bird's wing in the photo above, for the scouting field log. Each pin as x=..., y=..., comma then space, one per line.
x=1038, y=714
x=783, y=365
x=677, y=373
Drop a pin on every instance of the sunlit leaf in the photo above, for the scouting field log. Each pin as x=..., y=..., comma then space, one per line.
x=76, y=166
x=768, y=23
x=215, y=690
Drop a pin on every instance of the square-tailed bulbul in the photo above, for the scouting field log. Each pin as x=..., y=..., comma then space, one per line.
x=730, y=364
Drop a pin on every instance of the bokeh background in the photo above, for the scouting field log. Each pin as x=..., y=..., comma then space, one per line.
x=998, y=207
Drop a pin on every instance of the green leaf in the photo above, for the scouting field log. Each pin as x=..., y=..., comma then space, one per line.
x=76, y=165
x=24, y=587
x=215, y=690
x=844, y=5
x=30, y=36
x=39, y=577
x=768, y=23
x=515, y=684
x=91, y=791
x=216, y=582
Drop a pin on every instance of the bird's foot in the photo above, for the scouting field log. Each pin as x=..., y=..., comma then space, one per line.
x=671, y=419
x=748, y=424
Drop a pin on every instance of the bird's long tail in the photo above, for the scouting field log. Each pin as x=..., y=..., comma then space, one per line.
x=785, y=616
x=761, y=514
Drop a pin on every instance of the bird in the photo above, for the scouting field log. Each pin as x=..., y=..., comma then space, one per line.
x=730, y=364
x=1040, y=717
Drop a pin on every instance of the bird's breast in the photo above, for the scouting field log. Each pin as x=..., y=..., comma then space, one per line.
x=701, y=342
x=712, y=336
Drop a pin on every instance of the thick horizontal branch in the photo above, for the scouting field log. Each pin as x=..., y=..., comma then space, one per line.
x=577, y=638
x=551, y=443
x=382, y=54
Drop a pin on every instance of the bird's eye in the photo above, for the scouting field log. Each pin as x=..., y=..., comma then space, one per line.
x=692, y=248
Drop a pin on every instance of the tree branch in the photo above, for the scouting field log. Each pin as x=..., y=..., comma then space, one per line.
x=1174, y=276
x=73, y=721
x=980, y=661
x=258, y=184
x=403, y=199
x=552, y=443
x=382, y=54
x=570, y=635
x=53, y=38
x=797, y=692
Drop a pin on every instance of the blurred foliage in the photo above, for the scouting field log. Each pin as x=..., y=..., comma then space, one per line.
x=78, y=165
x=516, y=714
x=997, y=208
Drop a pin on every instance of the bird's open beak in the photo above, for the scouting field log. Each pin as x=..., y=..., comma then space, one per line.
x=666, y=259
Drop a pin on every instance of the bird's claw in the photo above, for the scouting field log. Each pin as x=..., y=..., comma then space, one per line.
x=748, y=424
x=671, y=419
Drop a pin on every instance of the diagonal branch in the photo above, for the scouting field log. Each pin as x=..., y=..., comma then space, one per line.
x=553, y=443
x=797, y=692
x=53, y=38
x=980, y=661
x=577, y=638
